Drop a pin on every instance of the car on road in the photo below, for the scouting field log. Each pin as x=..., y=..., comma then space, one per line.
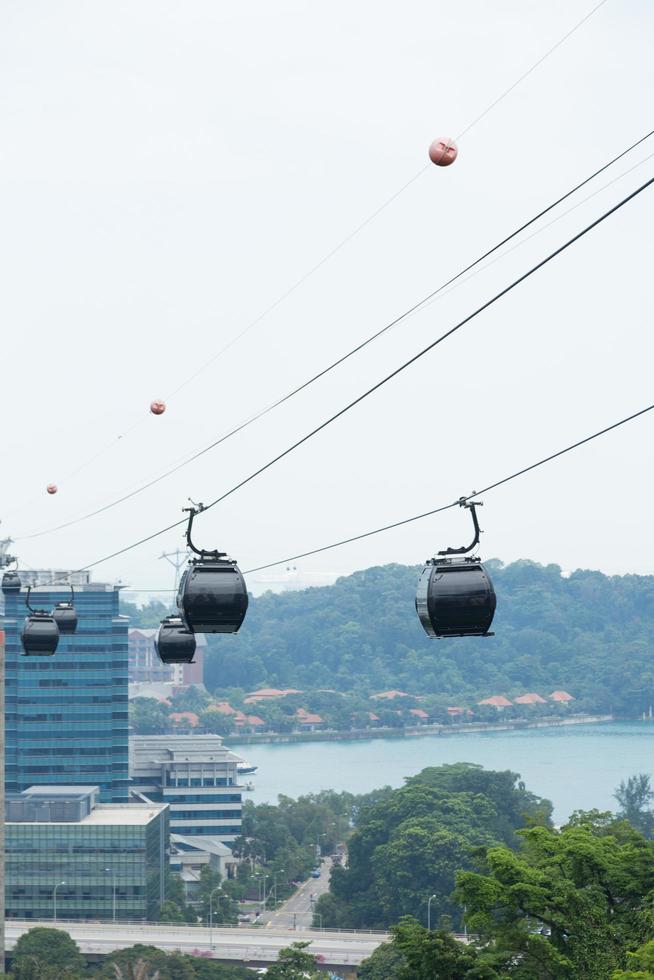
x=315, y=873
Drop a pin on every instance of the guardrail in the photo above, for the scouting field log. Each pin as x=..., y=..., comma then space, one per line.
x=181, y=926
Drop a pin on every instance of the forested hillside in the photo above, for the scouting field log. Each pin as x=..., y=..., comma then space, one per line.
x=588, y=633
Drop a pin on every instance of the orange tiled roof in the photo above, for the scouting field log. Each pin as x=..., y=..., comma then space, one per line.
x=306, y=718
x=418, y=712
x=530, y=699
x=372, y=716
x=497, y=701
x=389, y=695
x=561, y=696
x=189, y=716
x=265, y=693
x=223, y=708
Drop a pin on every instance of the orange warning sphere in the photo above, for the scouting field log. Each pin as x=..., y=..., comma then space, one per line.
x=157, y=408
x=443, y=151
x=52, y=488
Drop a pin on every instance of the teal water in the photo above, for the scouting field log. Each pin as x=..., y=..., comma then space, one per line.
x=577, y=767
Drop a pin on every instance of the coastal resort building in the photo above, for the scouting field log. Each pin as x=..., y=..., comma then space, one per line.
x=497, y=701
x=184, y=719
x=249, y=724
x=420, y=716
x=308, y=722
x=269, y=694
x=531, y=699
x=561, y=697
x=69, y=856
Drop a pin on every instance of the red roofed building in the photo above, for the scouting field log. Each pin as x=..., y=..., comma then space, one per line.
x=373, y=717
x=248, y=723
x=561, y=696
x=184, y=719
x=529, y=699
x=389, y=695
x=269, y=694
x=307, y=721
x=497, y=701
x=222, y=708
x=420, y=715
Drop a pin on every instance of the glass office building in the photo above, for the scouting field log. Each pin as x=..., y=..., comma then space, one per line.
x=70, y=858
x=67, y=715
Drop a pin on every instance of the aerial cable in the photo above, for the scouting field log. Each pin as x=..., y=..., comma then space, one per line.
x=344, y=241
x=459, y=501
x=348, y=238
x=388, y=377
x=443, y=507
x=355, y=350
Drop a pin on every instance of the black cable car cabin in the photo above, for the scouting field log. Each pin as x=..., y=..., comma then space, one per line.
x=65, y=615
x=40, y=634
x=455, y=596
x=11, y=583
x=174, y=643
x=213, y=596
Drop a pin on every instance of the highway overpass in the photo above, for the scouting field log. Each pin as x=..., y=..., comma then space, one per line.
x=341, y=952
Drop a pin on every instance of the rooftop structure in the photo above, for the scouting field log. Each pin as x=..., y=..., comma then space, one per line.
x=561, y=696
x=497, y=701
x=529, y=699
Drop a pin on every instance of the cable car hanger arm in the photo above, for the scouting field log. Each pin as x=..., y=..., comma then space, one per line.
x=471, y=506
x=192, y=511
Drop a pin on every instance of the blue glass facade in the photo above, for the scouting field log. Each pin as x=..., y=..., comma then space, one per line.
x=67, y=715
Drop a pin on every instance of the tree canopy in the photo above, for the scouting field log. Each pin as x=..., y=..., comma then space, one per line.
x=409, y=844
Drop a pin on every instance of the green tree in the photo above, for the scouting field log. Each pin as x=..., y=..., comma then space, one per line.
x=294, y=963
x=569, y=904
x=430, y=955
x=149, y=716
x=222, y=906
x=635, y=796
x=384, y=964
x=640, y=964
x=43, y=947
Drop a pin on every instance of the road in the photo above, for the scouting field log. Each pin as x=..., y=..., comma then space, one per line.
x=255, y=946
x=297, y=912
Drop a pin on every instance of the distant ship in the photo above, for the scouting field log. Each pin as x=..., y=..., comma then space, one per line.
x=246, y=768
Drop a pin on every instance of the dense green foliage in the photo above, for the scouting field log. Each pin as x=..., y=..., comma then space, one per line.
x=410, y=844
x=569, y=904
x=587, y=632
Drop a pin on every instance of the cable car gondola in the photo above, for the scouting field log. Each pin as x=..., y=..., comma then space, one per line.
x=212, y=597
x=455, y=595
x=174, y=643
x=40, y=634
x=11, y=583
x=65, y=615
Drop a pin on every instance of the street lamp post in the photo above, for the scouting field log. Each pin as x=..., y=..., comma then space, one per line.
x=318, y=848
x=216, y=889
x=54, y=900
x=431, y=899
x=113, y=891
x=275, y=873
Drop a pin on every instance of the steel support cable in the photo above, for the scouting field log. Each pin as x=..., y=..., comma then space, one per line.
x=348, y=238
x=393, y=374
x=455, y=503
x=334, y=364
x=437, y=510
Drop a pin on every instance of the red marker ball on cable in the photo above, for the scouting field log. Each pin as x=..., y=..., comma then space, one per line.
x=443, y=151
x=51, y=488
x=157, y=407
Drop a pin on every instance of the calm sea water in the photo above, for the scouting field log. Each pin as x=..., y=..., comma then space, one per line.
x=577, y=767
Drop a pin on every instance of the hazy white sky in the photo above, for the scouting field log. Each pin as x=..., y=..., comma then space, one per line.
x=170, y=168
